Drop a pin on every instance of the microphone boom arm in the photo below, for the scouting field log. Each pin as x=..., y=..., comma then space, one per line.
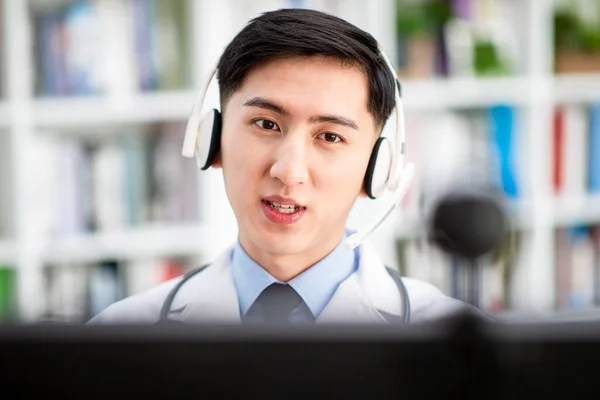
x=407, y=176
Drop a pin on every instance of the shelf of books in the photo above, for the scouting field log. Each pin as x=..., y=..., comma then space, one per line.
x=115, y=48
x=115, y=209
x=74, y=292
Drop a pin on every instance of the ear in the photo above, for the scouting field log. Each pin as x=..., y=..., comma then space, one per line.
x=363, y=192
x=217, y=161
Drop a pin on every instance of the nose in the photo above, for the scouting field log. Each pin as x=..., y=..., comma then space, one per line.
x=290, y=165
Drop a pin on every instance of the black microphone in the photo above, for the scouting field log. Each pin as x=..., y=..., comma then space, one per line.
x=468, y=222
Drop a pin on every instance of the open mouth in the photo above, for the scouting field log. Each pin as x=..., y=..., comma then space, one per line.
x=284, y=208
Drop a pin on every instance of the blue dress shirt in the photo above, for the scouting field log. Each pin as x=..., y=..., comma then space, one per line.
x=316, y=285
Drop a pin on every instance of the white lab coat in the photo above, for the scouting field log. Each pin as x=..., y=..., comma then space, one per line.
x=210, y=297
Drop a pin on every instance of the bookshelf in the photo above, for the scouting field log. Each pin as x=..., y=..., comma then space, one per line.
x=119, y=108
x=38, y=116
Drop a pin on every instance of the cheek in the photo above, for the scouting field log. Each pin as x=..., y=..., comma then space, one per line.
x=241, y=159
x=232, y=151
x=345, y=175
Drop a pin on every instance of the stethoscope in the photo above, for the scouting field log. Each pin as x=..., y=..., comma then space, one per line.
x=405, y=319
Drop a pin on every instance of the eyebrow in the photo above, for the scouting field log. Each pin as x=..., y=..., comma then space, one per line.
x=335, y=119
x=269, y=105
x=266, y=104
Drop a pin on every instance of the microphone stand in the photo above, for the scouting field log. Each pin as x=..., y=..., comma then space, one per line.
x=469, y=274
x=474, y=282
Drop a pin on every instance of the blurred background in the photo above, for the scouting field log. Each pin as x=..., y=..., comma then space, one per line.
x=97, y=203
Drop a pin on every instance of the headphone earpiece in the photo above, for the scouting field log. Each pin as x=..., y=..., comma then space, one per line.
x=209, y=145
x=378, y=170
x=203, y=139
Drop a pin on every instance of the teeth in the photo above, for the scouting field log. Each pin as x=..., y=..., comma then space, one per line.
x=283, y=208
x=282, y=205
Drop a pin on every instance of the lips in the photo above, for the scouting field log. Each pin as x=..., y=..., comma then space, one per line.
x=282, y=210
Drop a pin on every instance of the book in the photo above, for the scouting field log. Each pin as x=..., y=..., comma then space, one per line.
x=8, y=283
x=594, y=149
x=570, y=140
x=575, y=260
x=503, y=135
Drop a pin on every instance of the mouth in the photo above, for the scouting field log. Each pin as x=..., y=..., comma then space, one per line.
x=284, y=208
x=283, y=211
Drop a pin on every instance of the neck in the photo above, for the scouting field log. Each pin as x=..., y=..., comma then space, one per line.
x=286, y=266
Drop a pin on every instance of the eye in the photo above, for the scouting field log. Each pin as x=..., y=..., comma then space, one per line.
x=266, y=124
x=330, y=137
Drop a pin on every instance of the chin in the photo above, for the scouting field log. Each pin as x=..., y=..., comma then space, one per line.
x=281, y=243
x=275, y=240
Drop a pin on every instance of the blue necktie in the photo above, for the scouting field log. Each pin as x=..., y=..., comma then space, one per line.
x=275, y=304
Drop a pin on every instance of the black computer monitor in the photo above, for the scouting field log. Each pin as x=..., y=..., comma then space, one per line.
x=446, y=360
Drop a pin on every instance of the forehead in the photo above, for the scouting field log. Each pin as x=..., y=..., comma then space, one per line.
x=321, y=84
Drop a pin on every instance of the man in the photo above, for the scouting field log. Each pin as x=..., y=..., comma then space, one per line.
x=304, y=98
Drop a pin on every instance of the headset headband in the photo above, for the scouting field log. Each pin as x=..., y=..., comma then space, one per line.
x=400, y=139
x=191, y=129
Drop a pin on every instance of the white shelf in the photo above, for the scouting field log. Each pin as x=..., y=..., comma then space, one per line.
x=99, y=111
x=417, y=95
x=484, y=92
x=557, y=316
x=176, y=106
x=463, y=92
x=573, y=211
x=4, y=115
x=577, y=88
x=138, y=243
x=7, y=252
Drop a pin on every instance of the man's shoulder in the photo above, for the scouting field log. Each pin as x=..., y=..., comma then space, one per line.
x=429, y=303
x=141, y=308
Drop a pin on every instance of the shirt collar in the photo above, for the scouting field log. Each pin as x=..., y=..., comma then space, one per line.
x=316, y=285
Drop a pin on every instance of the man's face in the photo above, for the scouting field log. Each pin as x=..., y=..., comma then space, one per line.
x=296, y=141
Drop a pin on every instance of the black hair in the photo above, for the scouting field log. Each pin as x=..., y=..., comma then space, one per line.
x=304, y=32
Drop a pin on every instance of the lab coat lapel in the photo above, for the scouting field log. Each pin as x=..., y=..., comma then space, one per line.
x=349, y=305
x=212, y=297
x=361, y=297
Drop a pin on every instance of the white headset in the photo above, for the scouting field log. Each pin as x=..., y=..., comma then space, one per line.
x=386, y=170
